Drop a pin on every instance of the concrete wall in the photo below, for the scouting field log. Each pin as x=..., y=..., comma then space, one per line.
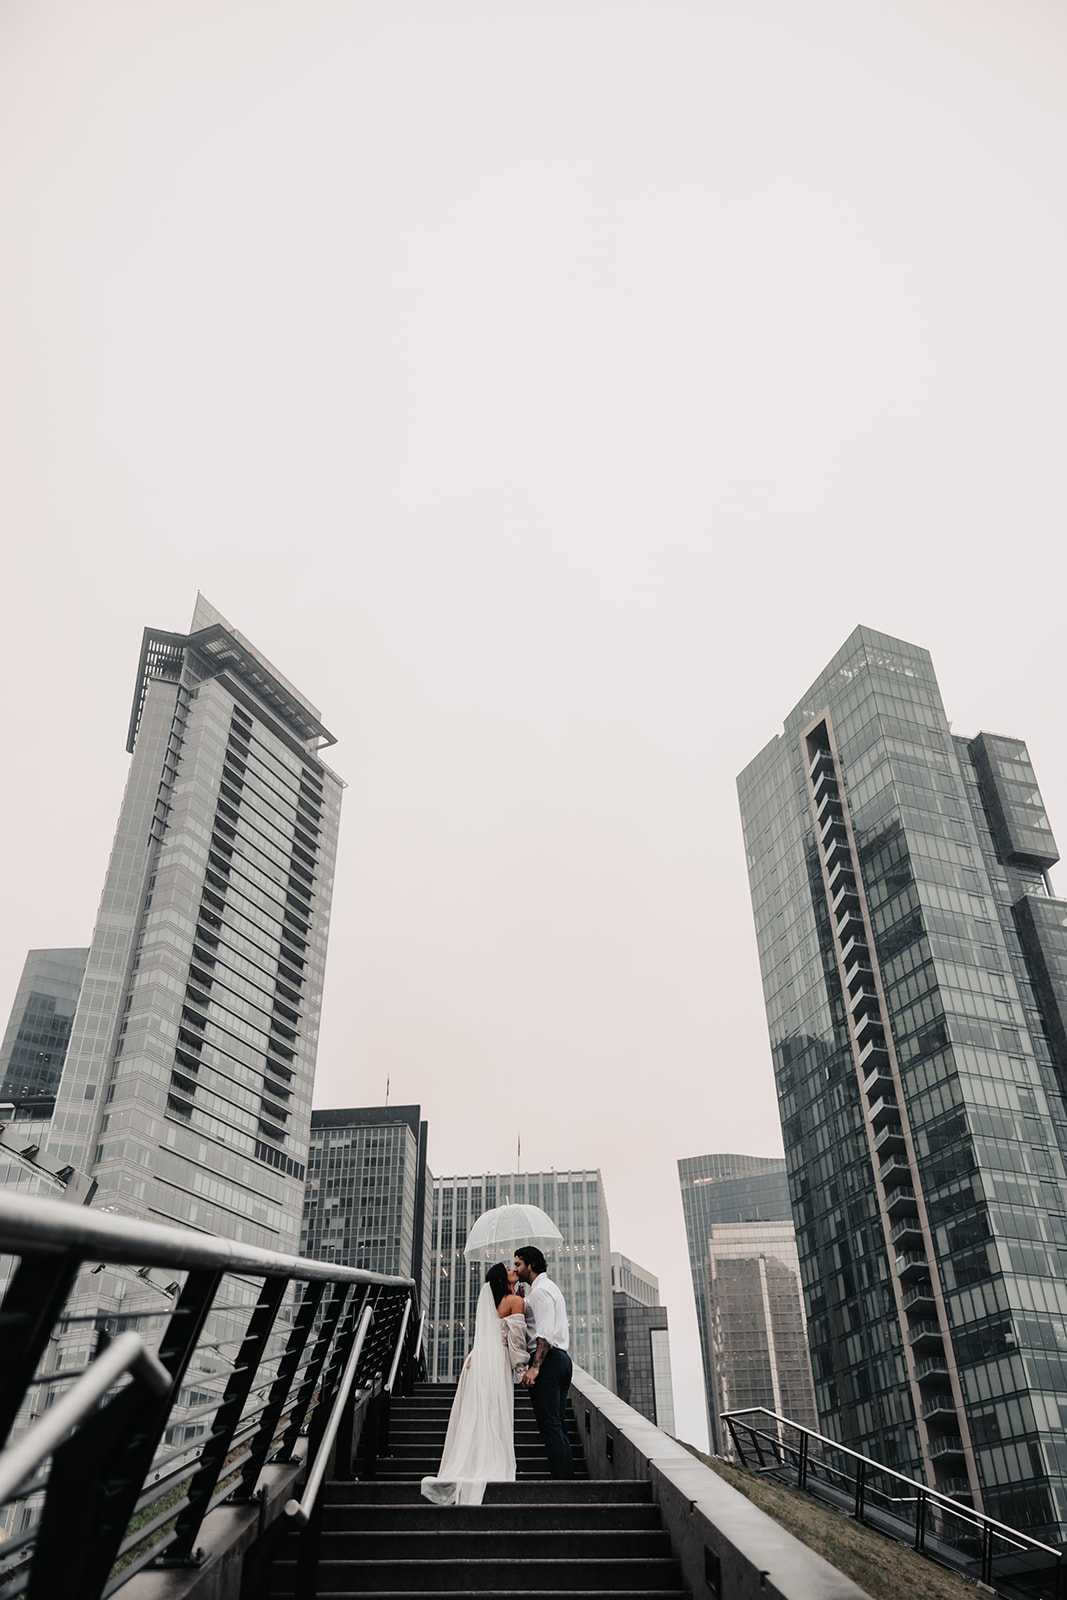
x=728, y=1548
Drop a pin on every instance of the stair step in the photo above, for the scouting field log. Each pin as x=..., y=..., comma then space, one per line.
x=552, y=1491
x=621, y=1516
x=478, y=1576
x=488, y=1544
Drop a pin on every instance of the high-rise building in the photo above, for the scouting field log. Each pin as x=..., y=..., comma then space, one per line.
x=581, y=1265
x=38, y=1032
x=365, y=1201
x=914, y=965
x=724, y=1189
x=642, y=1343
x=755, y=1318
x=187, y=1087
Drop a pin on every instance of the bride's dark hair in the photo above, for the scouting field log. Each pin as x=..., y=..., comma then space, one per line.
x=497, y=1279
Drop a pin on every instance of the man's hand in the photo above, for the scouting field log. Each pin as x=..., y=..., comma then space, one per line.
x=529, y=1377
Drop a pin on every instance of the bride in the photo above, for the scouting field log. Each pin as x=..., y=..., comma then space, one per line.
x=480, y=1442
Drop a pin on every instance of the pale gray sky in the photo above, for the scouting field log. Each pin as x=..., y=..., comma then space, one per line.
x=548, y=390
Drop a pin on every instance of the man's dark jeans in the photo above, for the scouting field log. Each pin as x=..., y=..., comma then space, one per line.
x=549, y=1398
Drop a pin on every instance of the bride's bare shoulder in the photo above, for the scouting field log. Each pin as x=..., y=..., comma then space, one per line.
x=509, y=1305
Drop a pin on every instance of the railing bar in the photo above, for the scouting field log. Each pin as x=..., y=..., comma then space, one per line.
x=399, y=1346
x=38, y=1226
x=126, y=1354
x=300, y=1509
x=954, y=1507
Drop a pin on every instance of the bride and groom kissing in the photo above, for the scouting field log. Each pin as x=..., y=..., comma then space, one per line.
x=518, y=1338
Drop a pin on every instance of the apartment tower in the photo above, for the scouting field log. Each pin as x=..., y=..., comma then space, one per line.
x=914, y=963
x=186, y=1092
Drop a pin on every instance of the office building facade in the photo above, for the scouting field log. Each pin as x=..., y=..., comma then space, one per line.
x=186, y=1092
x=581, y=1265
x=913, y=962
x=642, y=1343
x=38, y=1031
x=365, y=1202
x=722, y=1190
x=756, y=1329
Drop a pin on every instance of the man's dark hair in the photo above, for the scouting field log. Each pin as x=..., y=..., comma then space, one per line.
x=532, y=1257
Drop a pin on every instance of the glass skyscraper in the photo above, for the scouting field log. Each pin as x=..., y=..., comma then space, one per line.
x=914, y=963
x=38, y=1032
x=366, y=1199
x=756, y=1326
x=725, y=1190
x=642, y=1343
x=186, y=1091
x=581, y=1265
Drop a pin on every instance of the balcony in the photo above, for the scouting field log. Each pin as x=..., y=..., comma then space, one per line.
x=955, y=1488
x=875, y=1057
x=868, y=1031
x=940, y=1406
x=950, y=1445
x=846, y=896
x=931, y=1368
x=906, y=1228
x=835, y=849
x=859, y=970
x=823, y=761
x=885, y=1106
x=924, y=1333
x=912, y=1264
x=829, y=805
x=903, y=1195
x=895, y=1164
x=889, y=1139
x=863, y=1003
x=922, y=1294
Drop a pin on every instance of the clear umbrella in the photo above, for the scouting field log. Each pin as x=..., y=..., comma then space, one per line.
x=497, y=1234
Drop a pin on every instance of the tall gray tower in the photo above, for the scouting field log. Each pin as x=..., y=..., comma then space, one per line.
x=187, y=1087
x=915, y=969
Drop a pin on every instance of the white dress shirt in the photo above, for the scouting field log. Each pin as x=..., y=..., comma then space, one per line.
x=546, y=1315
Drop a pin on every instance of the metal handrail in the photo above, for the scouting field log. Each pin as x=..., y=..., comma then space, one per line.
x=966, y=1513
x=300, y=1510
x=128, y=1353
x=399, y=1346
x=42, y=1226
x=283, y=1373
x=417, y=1352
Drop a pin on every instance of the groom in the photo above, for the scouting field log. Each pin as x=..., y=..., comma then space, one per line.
x=549, y=1374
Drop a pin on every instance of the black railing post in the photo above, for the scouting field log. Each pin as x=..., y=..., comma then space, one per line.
x=279, y=1391
x=802, y=1462
x=920, y=1521
x=36, y=1295
x=735, y=1441
x=987, y=1553
x=97, y=1474
x=310, y=1380
x=861, y=1489
x=202, y=1487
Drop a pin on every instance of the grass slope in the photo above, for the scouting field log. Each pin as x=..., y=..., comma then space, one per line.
x=887, y=1570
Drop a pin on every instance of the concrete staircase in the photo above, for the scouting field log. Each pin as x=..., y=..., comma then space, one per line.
x=577, y=1540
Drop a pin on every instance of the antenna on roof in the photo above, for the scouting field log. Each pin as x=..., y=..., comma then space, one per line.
x=387, y=1088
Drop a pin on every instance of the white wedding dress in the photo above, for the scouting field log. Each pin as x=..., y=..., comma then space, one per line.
x=480, y=1442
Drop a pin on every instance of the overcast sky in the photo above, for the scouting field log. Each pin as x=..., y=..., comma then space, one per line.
x=547, y=390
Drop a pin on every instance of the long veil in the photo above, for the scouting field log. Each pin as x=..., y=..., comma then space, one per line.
x=480, y=1443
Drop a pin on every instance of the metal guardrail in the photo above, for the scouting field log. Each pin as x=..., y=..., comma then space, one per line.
x=938, y=1524
x=149, y=1372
